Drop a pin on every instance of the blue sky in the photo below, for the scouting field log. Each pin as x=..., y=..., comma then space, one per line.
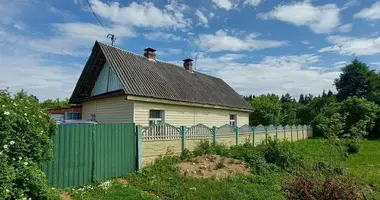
x=257, y=46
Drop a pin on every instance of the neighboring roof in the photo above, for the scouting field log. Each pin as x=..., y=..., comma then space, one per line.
x=155, y=79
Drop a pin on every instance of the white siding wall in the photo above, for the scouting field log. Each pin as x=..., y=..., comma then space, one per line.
x=109, y=110
x=187, y=116
x=106, y=82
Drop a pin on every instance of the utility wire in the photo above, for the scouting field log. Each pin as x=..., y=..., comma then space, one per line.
x=109, y=36
x=96, y=16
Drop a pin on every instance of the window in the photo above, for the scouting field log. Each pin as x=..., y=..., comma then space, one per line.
x=233, y=120
x=72, y=115
x=156, y=117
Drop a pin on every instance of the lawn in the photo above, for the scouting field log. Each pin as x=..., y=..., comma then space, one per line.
x=163, y=180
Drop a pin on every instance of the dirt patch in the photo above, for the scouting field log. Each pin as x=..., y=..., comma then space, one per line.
x=213, y=166
x=122, y=181
x=65, y=196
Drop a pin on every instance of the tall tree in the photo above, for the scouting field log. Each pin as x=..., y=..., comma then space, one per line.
x=357, y=79
x=286, y=98
x=330, y=93
x=267, y=110
x=301, y=100
x=324, y=94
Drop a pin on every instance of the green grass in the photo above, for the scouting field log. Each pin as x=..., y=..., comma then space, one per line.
x=165, y=181
x=115, y=192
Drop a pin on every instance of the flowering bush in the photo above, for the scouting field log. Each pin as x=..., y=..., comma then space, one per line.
x=25, y=132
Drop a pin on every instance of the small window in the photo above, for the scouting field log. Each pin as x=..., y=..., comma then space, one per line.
x=156, y=117
x=233, y=120
x=72, y=116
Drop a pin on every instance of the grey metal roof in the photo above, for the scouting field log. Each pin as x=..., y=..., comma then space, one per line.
x=156, y=79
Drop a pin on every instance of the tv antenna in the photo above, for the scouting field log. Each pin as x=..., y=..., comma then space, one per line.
x=112, y=37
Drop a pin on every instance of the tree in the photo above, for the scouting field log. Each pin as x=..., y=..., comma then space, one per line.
x=360, y=116
x=301, y=100
x=50, y=103
x=267, y=110
x=324, y=94
x=330, y=93
x=286, y=98
x=357, y=80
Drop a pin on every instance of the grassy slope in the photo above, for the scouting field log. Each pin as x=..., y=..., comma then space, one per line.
x=165, y=181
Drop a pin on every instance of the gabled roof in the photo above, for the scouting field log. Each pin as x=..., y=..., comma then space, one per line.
x=145, y=78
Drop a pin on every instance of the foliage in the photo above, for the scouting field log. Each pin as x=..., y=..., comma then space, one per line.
x=281, y=153
x=328, y=121
x=352, y=145
x=57, y=103
x=25, y=132
x=308, y=185
x=360, y=116
x=267, y=110
x=358, y=80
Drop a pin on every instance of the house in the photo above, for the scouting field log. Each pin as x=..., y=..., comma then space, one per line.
x=117, y=86
x=72, y=112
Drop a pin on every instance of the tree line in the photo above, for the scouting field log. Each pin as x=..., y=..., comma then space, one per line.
x=351, y=112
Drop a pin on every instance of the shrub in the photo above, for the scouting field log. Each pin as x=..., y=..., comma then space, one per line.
x=282, y=154
x=25, y=132
x=308, y=185
x=352, y=145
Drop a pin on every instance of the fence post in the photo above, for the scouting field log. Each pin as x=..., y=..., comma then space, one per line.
x=284, y=127
x=237, y=135
x=297, y=132
x=291, y=133
x=276, y=132
x=139, y=146
x=213, y=135
x=303, y=135
x=266, y=135
x=253, y=136
x=183, y=138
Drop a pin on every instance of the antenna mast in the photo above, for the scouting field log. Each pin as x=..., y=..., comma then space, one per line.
x=112, y=37
x=195, y=62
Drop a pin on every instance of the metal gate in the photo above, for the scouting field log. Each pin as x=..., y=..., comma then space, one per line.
x=85, y=153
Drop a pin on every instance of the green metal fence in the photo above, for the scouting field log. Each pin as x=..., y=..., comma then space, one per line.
x=85, y=153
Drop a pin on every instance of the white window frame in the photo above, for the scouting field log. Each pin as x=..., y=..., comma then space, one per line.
x=161, y=119
x=233, y=122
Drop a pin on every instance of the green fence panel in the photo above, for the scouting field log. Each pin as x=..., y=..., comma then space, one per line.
x=84, y=153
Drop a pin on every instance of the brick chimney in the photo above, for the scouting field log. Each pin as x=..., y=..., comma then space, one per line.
x=150, y=53
x=187, y=64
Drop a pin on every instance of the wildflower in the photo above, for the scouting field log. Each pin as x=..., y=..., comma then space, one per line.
x=12, y=142
x=14, y=104
x=5, y=146
x=6, y=113
x=6, y=190
x=3, y=106
x=26, y=163
x=25, y=114
x=20, y=158
x=53, y=188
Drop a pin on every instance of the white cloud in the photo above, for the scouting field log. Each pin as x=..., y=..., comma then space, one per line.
x=212, y=15
x=340, y=64
x=320, y=19
x=12, y=10
x=294, y=74
x=66, y=15
x=143, y=15
x=225, y=4
x=311, y=47
x=345, y=28
x=20, y=26
x=253, y=3
x=306, y=42
x=168, y=51
x=161, y=36
x=202, y=18
x=72, y=39
x=372, y=13
x=351, y=3
x=33, y=74
x=223, y=42
x=344, y=45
